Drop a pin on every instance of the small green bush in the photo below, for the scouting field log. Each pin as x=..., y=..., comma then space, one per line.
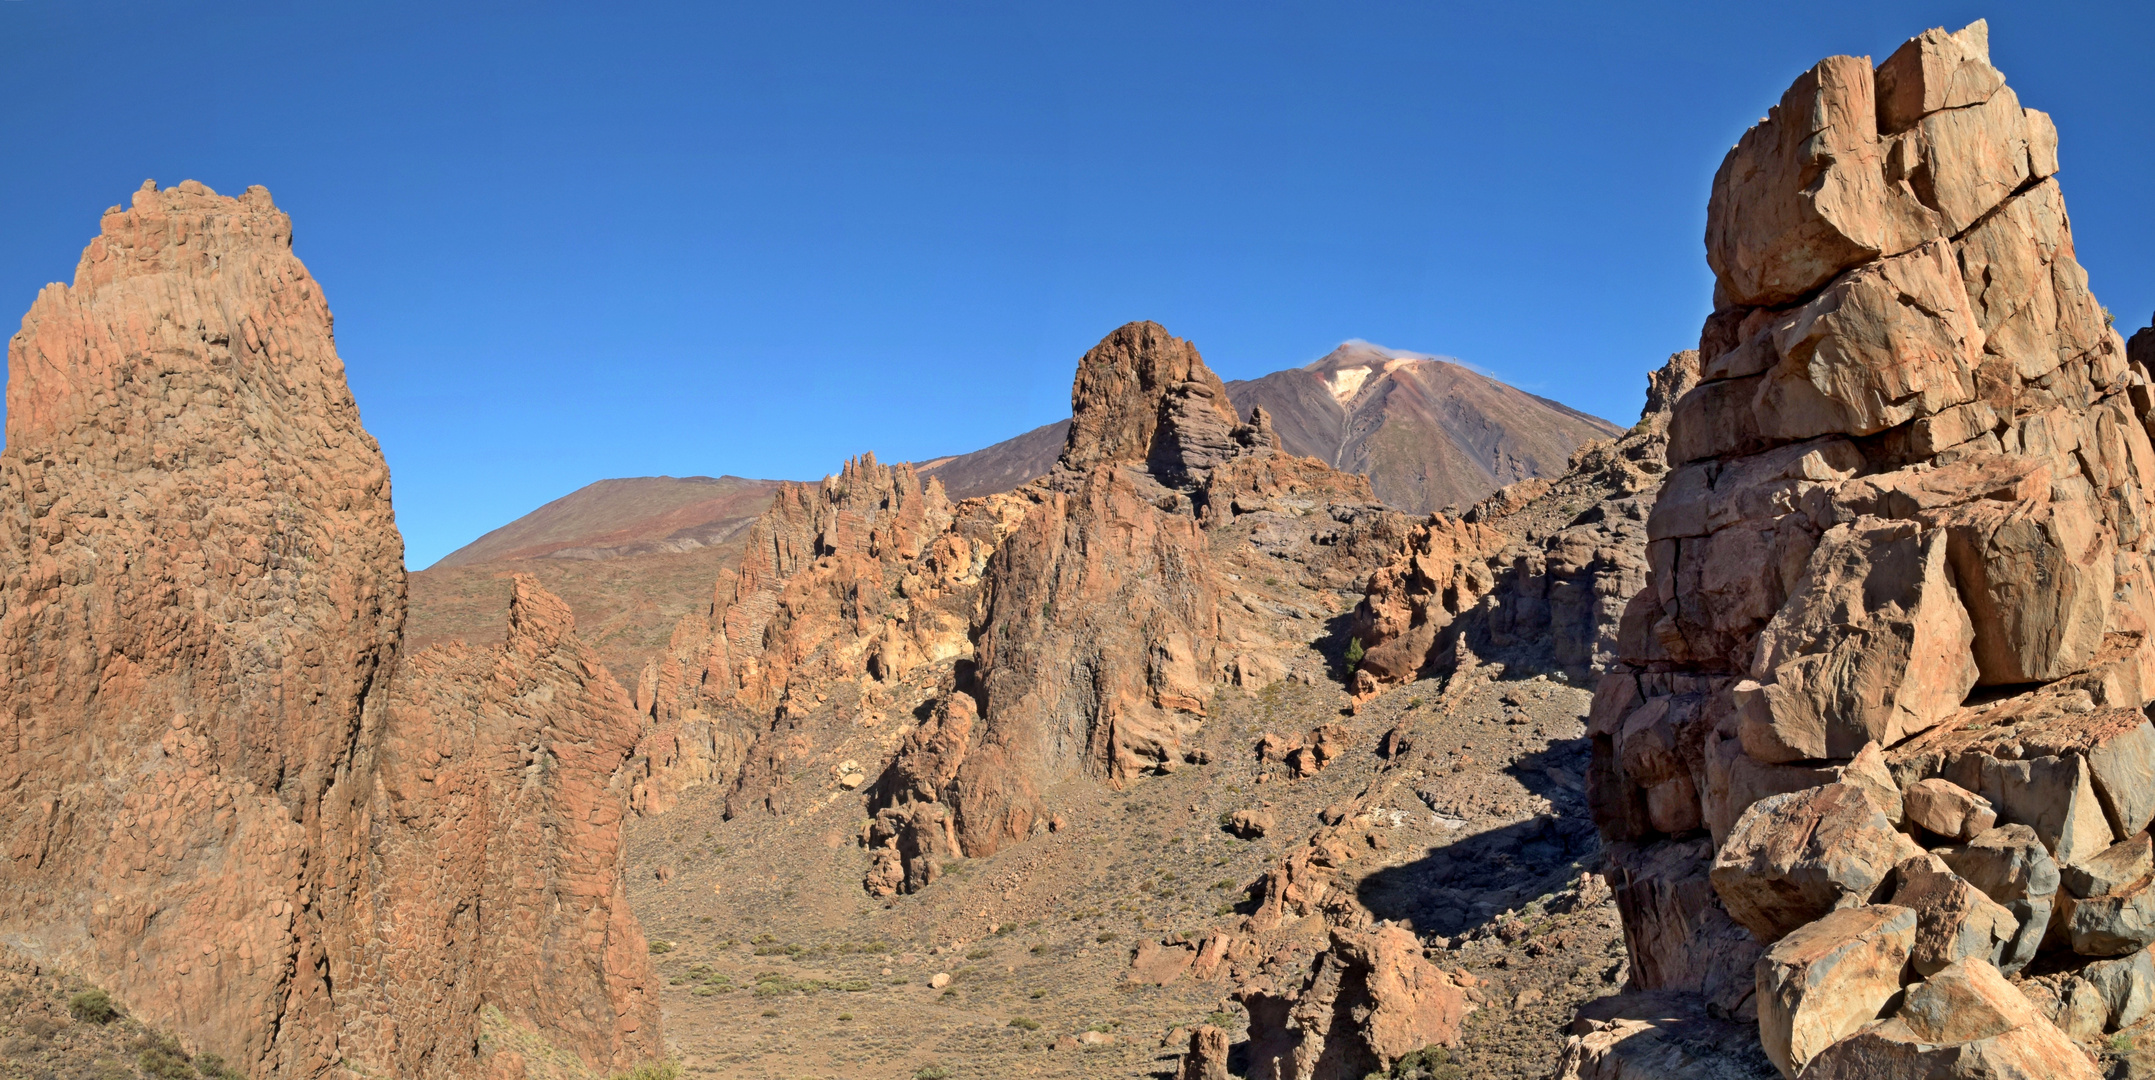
x=162, y=1058
x=1354, y=653
x=931, y=1072
x=1428, y=1063
x=1105, y=936
x=979, y=954
x=1024, y=1023
x=659, y=948
x=1037, y=994
x=93, y=1006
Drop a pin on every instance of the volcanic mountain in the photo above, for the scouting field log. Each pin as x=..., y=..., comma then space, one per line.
x=1428, y=433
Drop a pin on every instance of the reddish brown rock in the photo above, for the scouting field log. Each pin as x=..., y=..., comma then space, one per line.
x=1964, y=1022
x=1370, y=1000
x=1917, y=462
x=1948, y=809
x=1829, y=978
x=508, y=769
x=1207, y=1056
x=230, y=805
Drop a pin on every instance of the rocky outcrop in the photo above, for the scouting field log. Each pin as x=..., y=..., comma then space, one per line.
x=503, y=785
x=1904, y=523
x=1536, y=575
x=217, y=807
x=1369, y=1000
x=1098, y=623
x=853, y=582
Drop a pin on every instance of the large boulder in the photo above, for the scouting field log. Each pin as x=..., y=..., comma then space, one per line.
x=2012, y=867
x=1829, y=978
x=1964, y=1023
x=1873, y=647
x=1793, y=858
x=1954, y=919
x=1948, y=809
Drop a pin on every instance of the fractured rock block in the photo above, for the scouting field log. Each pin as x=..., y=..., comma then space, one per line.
x=1793, y=858
x=2115, y=924
x=1954, y=919
x=1948, y=809
x=2054, y=795
x=2120, y=865
x=1963, y=1023
x=1828, y=978
x=1872, y=647
x=2125, y=986
x=2013, y=868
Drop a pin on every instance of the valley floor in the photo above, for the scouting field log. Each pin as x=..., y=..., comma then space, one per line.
x=780, y=966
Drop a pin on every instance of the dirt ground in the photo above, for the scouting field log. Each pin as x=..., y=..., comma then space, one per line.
x=779, y=965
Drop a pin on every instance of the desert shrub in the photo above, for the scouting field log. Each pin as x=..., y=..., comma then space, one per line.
x=1428, y=1063
x=659, y=948
x=1105, y=936
x=1354, y=653
x=93, y=1006
x=931, y=1072
x=1024, y=1023
x=1037, y=994
x=163, y=1059
x=652, y=1070
x=979, y=954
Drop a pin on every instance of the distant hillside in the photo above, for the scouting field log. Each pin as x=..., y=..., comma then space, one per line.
x=629, y=556
x=1429, y=433
x=614, y=518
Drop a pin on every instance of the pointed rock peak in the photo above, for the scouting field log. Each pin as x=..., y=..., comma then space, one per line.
x=1122, y=393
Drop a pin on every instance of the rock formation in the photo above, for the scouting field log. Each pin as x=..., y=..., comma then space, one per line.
x=1428, y=433
x=1536, y=574
x=212, y=793
x=1899, y=589
x=1370, y=999
x=1098, y=626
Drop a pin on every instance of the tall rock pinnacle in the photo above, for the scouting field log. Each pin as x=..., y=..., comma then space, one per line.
x=204, y=586
x=1917, y=463
x=231, y=803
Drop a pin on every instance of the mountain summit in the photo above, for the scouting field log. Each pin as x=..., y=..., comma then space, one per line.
x=1428, y=432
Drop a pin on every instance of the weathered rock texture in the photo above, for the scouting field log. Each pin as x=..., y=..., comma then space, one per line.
x=1369, y=1000
x=1535, y=575
x=199, y=623
x=1905, y=526
x=1098, y=631
x=1429, y=434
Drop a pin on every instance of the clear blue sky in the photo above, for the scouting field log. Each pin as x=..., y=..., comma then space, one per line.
x=573, y=241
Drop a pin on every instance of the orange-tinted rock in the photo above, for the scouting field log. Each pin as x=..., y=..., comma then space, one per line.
x=1918, y=462
x=1370, y=1000
x=223, y=807
x=204, y=589
x=516, y=761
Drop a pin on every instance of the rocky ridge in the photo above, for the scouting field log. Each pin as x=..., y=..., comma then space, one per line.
x=218, y=754
x=1428, y=433
x=1874, y=769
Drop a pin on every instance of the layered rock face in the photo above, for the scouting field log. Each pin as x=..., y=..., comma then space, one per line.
x=1887, y=676
x=199, y=624
x=847, y=586
x=503, y=782
x=1537, y=574
x=1098, y=625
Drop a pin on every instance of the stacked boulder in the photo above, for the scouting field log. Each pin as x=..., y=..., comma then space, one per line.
x=1877, y=739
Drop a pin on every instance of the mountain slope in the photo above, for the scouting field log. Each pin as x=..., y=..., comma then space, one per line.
x=633, y=516
x=1427, y=432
